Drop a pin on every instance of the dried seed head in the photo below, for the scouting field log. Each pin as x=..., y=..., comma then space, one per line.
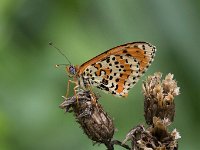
x=94, y=121
x=155, y=137
x=159, y=97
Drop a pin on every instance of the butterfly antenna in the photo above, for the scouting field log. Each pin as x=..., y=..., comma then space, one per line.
x=51, y=44
x=58, y=65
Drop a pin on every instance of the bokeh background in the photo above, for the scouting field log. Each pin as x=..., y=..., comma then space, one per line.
x=31, y=87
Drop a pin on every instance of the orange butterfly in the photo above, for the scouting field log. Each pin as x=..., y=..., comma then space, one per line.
x=114, y=71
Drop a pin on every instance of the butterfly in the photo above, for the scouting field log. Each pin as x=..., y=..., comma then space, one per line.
x=115, y=71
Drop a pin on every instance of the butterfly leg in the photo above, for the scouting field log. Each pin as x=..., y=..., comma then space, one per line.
x=77, y=86
x=68, y=86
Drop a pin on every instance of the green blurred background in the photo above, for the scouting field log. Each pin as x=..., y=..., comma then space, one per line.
x=31, y=87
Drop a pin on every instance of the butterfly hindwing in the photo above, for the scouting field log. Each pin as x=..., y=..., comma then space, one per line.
x=118, y=69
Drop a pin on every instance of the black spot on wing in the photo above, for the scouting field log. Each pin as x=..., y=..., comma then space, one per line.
x=105, y=82
x=128, y=55
x=124, y=51
x=116, y=62
x=103, y=87
x=116, y=87
x=112, y=85
x=143, y=47
x=110, y=78
x=113, y=92
x=113, y=58
x=108, y=60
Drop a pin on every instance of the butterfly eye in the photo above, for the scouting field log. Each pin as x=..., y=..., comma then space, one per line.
x=72, y=70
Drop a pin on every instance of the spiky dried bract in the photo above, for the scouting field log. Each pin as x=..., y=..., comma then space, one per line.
x=155, y=137
x=95, y=122
x=159, y=97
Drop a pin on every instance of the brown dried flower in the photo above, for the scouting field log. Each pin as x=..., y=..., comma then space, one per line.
x=155, y=137
x=159, y=97
x=95, y=122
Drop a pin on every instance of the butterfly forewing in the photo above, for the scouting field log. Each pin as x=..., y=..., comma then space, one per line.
x=118, y=69
x=115, y=74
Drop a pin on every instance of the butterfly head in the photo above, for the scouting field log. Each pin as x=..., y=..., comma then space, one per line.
x=71, y=70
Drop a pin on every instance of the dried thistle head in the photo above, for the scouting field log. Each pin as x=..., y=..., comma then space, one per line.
x=159, y=97
x=155, y=137
x=94, y=121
